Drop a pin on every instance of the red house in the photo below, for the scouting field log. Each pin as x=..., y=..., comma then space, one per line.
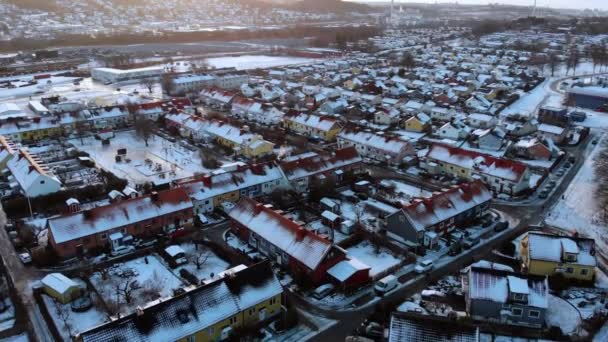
x=307, y=255
x=144, y=217
x=350, y=274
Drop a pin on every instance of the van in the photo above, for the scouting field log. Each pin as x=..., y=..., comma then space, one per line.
x=386, y=284
x=423, y=266
x=322, y=291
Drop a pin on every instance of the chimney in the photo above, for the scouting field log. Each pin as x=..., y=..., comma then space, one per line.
x=31, y=168
x=140, y=311
x=154, y=196
x=301, y=233
x=73, y=205
x=258, y=209
x=207, y=180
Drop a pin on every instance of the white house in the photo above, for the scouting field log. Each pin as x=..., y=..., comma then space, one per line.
x=376, y=147
x=29, y=176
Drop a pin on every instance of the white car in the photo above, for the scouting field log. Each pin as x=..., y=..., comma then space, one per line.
x=25, y=258
x=423, y=266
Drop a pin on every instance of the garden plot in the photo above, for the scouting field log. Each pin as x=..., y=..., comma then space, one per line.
x=202, y=262
x=70, y=323
x=161, y=162
x=137, y=281
x=379, y=259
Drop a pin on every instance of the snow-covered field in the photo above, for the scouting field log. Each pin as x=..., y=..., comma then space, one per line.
x=153, y=281
x=253, y=61
x=578, y=211
x=407, y=189
x=211, y=263
x=78, y=321
x=528, y=103
x=366, y=253
x=169, y=161
x=562, y=315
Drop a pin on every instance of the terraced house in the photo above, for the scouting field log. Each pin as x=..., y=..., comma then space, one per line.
x=377, y=147
x=314, y=126
x=241, y=297
x=242, y=141
x=550, y=255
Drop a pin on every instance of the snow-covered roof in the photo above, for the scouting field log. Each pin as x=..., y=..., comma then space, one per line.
x=58, y=283
x=406, y=327
x=590, y=91
x=29, y=172
x=281, y=232
x=129, y=211
x=243, y=177
x=345, y=269
x=174, y=250
x=552, y=248
x=329, y=216
x=311, y=163
x=427, y=212
x=495, y=285
x=482, y=163
x=391, y=146
x=550, y=129
x=321, y=123
x=184, y=315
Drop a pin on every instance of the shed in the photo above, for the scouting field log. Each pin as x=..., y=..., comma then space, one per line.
x=350, y=274
x=61, y=287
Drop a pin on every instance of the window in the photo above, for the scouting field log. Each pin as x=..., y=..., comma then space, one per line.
x=534, y=314
x=103, y=236
x=273, y=300
x=211, y=331
x=232, y=320
x=191, y=338
x=41, y=182
x=584, y=271
x=569, y=270
x=516, y=311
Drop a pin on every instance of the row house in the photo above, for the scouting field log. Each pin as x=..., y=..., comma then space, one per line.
x=188, y=126
x=263, y=113
x=305, y=254
x=419, y=122
x=301, y=170
x=144, y=217
x=239, y=298
x=377, y=147
x=423, y=221
x=311, y=125
x=500, y=296
x=243, y=142
x=500, y=175
x=216, y=97
x=253, y=181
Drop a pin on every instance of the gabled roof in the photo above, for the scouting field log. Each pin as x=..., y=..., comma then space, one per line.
x=280, y=231
x=482, y=163
x=193, y=311
x=551, y=248
x=379, y=142
x=495, y=286
x=311, y=163
x=410, y=328
x=322, y=123
x=129, y=211
x=427, y=212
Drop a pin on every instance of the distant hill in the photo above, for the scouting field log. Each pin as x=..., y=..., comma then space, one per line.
x=334, y=6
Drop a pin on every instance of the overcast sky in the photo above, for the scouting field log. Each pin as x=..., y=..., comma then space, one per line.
x=581, y=4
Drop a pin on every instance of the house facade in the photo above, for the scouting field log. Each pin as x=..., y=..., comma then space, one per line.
x=550, y=255
x=305, y=254
x=376, y=147
x=77, y=233
x=311, y=125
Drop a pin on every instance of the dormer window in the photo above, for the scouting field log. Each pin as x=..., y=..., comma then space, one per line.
x=570, y=257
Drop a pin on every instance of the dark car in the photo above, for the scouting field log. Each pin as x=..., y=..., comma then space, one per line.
x=500, y=226
x=469, y=242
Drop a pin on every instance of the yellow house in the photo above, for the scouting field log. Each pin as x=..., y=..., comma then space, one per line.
x=417, y=123
x=239, y=139
x=310, y=125
x=550, y=255
x=60, y=287
x=239, y=297
x=257, y=148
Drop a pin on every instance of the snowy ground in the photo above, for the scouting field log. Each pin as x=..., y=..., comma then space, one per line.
x=153, y=279
x=212, y=264
x=578, y=211
x=254, y=62
x=407, y=189
x=169, y=161
x=529, y=102
x=562, y=315
x=78, y=321
x=379, y=262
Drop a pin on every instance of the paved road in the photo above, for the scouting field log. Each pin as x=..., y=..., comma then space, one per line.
x=23, y=278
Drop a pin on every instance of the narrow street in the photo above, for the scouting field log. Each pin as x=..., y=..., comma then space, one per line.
x=23, y=278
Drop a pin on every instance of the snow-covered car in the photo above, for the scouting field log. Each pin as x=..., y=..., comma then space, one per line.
x=25, y=258
x=386, y=284
x=424, y=266
x=322, y=291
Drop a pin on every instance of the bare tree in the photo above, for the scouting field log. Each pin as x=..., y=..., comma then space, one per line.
x=81, y=128
x=63, y=313
x=359, y=214
x=553, y=63
x=149, y=83
x=124, y=289
x=144, y=128
x=200, y=257
x=166, y=82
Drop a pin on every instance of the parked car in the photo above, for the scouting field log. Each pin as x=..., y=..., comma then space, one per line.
x=322, y=291
x=470, y=242
x=25, y=258
x=424, y=266
x=386, y=284
x=559, y=172
x=500, y=226
x=455, y=248
x=543, y=194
